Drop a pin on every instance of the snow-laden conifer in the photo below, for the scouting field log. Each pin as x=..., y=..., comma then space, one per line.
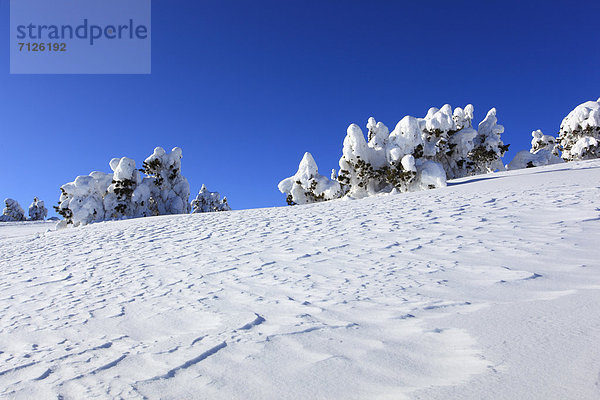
x=579, y=135
x=124, y=193
x=82, y=201
x=307, y=185
x=420, y=153
x=168, y=189
x=12, y=211
x=37, y=210
x=118, y=198
x=207, y=201
x=488, y=147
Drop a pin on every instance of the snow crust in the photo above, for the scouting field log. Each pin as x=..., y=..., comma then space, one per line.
x=486, y=288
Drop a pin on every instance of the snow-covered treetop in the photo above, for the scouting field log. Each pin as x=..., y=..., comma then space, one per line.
x=440, y=120
x=85, y=185
x=489, y=130
x=124, y=169
x=541, y=141
x=463, y=118
x=579, y=134
x=582, y=117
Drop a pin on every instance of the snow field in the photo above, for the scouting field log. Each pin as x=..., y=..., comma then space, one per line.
x=487, y=288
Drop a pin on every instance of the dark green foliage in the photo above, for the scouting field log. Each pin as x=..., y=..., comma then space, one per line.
x=418, y=152
x=393, y=175
x=568, y=139
x=364, y=172
x=311, y=192
x=481, y=155
x=66, y=213
x=152, y=169
x=397, y=176
x=123, y=189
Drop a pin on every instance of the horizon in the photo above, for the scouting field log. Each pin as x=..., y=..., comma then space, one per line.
x=245, y=89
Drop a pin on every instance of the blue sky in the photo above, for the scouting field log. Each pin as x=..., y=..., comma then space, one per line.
x=245, y=88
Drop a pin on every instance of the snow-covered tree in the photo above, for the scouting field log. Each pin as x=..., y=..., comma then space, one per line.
x=12, y=211
x=488, y=150
x=579, y=135
x=541, y=141
x=124, y=194
x=207, y=201
x=370, y=168
x=37, y=211
x=544, y=151
x=169, y=190
x=420, y=153
x=118, y=199
x=82, y=201
x=307, y=185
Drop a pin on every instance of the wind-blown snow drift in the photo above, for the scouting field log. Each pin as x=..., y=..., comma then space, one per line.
x=487, y=288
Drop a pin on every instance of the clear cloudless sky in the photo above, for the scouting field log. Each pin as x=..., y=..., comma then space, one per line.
x=246, y=87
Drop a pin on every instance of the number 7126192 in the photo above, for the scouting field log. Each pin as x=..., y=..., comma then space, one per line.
x=42, y=47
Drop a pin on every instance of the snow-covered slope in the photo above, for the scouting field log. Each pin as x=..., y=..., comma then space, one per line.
x=488, y=288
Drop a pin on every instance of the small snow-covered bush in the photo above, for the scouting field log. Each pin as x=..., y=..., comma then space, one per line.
x=207, y=201
x=308, y=186
x=420, y=153
x=544, y=151
x=579, y=135
x=124, y=193
x=37, y=211
x=12, y=211
x=541, y=141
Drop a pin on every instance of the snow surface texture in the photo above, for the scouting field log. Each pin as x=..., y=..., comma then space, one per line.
x=207, y=201
x=37, y=210
x=580, y=132
x=12, y=211
x=544, y=151
x=124, y=194
x=487, y=288
x=420, y=153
